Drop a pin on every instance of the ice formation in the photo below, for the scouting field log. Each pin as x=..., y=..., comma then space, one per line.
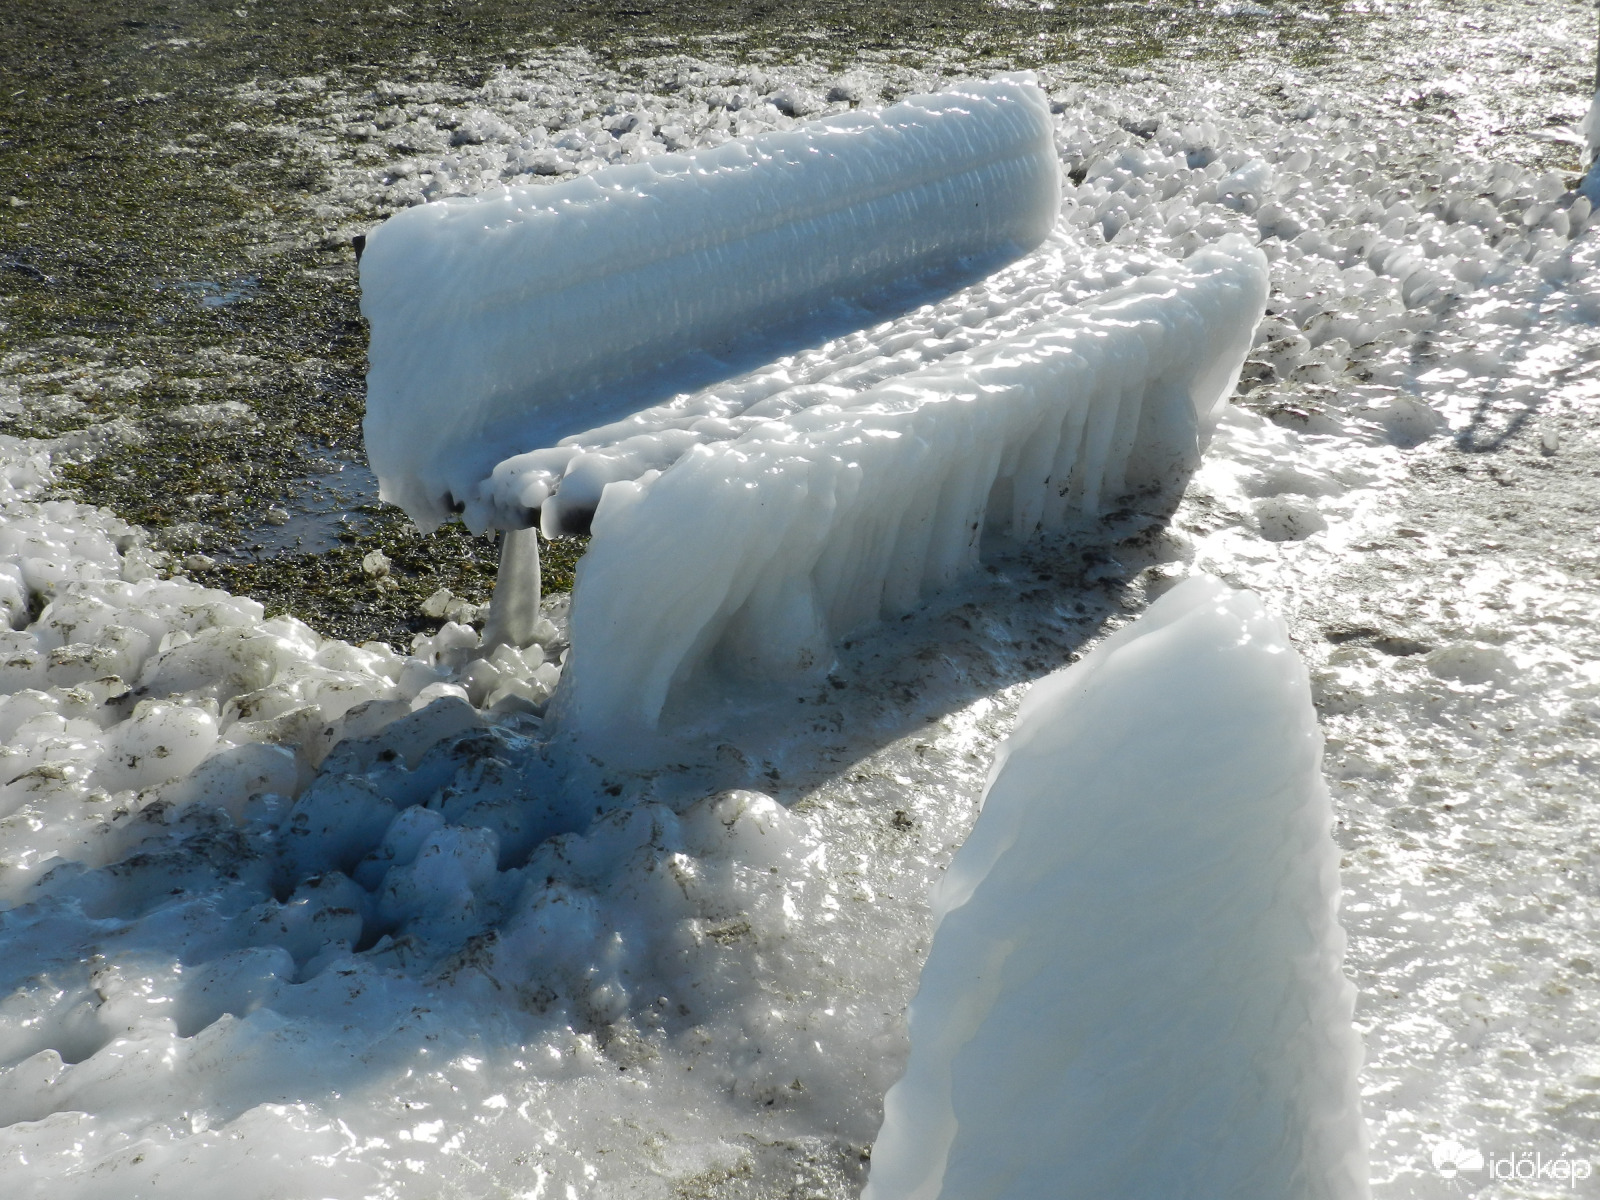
x=1134, y=987
x=571, y=475
x=507, y=321
x=838, y=515
x=128, y=698
x=514, y=615
x=134, y=697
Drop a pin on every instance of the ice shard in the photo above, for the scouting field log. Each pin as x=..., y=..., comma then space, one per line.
x=1135, y=986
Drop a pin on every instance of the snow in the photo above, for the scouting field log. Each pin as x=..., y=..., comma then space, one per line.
x=185, y=1005
x=129, y=698
x=838, y=515
x=485, y=312
x=1135, y=984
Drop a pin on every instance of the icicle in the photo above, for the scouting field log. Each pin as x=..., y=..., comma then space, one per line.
x=514, y=607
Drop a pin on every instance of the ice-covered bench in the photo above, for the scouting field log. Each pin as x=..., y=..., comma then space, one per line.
x=752, y=556
x=536, y=356
x=504, y=324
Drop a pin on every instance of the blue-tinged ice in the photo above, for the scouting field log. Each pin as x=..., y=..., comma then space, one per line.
x=1135, y=989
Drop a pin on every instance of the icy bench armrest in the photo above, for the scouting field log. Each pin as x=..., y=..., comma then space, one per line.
x=498, y=322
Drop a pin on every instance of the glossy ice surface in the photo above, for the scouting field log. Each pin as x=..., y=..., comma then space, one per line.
x=1135, y=986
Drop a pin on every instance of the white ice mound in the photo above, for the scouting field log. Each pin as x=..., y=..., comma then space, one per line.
x=752, y=556
x=1134, y=989
x=505, y=321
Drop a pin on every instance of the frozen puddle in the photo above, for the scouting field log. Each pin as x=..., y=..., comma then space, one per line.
x=367, y=944
x=322, y=507
x=208, y=293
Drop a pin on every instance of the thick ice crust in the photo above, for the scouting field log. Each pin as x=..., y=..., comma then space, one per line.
x=565, y=481
x=498, y=320
x=1135, y=989
x=752, y=556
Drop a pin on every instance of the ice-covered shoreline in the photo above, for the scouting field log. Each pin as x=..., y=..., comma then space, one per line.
x=404, y=1070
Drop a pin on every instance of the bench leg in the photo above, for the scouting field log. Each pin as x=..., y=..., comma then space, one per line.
x=514, y=607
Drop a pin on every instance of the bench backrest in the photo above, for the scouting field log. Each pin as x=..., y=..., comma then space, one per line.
x=504, y=322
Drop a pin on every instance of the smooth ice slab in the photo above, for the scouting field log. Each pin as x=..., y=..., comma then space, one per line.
x=504, y=322
x=752, y=556
x=1134, y=989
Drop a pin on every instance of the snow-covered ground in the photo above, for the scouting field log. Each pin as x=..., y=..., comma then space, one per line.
x=293, y=917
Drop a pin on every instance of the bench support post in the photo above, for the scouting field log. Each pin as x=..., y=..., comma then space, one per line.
x=514, y=607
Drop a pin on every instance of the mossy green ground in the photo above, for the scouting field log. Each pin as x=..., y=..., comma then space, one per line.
x=136, y=185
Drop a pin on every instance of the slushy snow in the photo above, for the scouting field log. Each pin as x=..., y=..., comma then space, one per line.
x=485, y=312
x=1135, y=985
x=751, y=557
